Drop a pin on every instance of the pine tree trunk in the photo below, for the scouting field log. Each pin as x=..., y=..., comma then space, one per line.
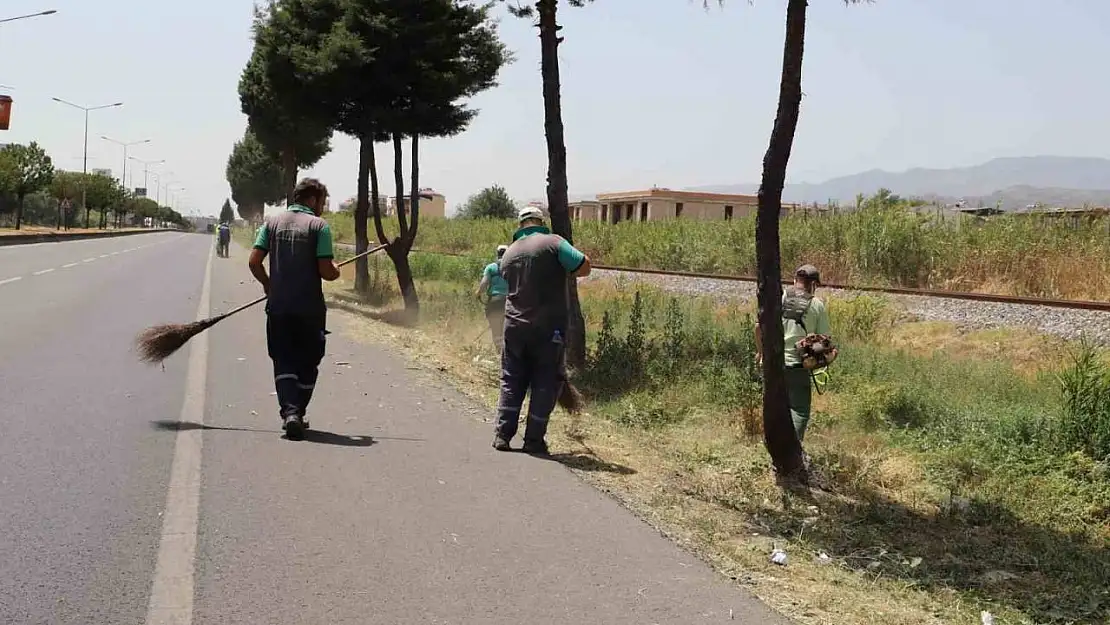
x=376, y=196
x=362, y=205
x=399, y=252
x=414, y=193
x=557, y=202
x=289, y=172
x=778, y=430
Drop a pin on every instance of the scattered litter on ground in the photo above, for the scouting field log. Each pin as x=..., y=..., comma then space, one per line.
x=778, y=556
x=986, y=617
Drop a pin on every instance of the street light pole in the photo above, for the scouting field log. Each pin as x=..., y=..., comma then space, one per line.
x=146, y=171
x=85, y=163
x=23, y=17
x=123, y=174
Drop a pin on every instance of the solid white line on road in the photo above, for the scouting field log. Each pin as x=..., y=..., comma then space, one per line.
x=88, y=260
x=171, y=594
x=39, y=273
x=11, y=280
x=69, y=265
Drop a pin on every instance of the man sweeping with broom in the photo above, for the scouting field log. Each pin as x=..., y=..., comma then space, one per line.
x=299, y=245
x=536, y=268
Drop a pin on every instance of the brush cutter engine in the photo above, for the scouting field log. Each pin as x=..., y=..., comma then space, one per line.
x=816, y=351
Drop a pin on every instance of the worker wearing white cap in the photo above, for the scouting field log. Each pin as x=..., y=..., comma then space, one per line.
x=536, y=267
x=494, y=288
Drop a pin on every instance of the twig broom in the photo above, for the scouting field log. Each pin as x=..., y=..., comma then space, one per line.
x=157, y=343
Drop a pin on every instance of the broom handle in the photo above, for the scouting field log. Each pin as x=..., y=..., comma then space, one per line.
x=348, y=261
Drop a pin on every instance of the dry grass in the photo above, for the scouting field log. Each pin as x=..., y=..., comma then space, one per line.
x=897, y=548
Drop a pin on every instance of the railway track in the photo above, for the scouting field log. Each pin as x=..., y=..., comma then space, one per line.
x=933, y=293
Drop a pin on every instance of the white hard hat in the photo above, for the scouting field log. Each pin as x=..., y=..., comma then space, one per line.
x=530, y=212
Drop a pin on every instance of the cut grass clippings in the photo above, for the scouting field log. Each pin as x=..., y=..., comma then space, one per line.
x=953, y=476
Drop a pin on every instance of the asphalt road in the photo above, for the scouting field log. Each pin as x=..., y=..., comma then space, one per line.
x=393, y=511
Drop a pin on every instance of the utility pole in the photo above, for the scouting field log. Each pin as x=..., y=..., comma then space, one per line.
x=85, y=159
x=123, y=174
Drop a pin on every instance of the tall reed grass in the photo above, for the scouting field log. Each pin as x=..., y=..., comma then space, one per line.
x=880, y=244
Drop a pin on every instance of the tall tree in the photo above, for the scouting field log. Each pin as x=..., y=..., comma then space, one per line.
x=254, y=176
x=778, y=430
x=546, y=14
x=65, y=186
x=278, y=106
x=395, y=70
x=30, y=170
x=227, y=215
x=103, y=193
x=492, y=203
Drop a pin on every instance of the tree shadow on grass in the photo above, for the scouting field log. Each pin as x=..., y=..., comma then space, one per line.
x=981, y=549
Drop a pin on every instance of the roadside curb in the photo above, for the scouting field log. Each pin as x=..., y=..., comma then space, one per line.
x=52, y=237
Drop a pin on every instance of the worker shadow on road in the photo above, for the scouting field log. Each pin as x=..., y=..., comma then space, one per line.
x=319, y=437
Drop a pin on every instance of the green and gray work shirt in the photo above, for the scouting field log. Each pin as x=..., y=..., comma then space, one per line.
x=495, y=284
x=295, y=240
x=536, y=268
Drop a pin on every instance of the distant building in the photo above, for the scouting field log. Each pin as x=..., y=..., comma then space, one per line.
x=432, y=204
x=658, y=204
x=1074, y=216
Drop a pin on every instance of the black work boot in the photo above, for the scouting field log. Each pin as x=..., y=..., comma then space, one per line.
x=535, y=447
x=500, y=443
x=294, y=427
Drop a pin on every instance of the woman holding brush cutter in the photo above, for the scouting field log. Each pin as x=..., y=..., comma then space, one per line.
x=299, y=245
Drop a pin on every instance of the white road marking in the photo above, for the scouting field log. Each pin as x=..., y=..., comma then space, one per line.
x=44, y=271
x=104, y=255
x=88, y=260
x=171, y=594
x=11, y=280
x=69, y=265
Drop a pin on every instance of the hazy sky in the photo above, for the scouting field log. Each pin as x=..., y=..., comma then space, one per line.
x=655, y=92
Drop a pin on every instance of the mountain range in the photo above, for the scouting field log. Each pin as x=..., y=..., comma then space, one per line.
x=1016, y=182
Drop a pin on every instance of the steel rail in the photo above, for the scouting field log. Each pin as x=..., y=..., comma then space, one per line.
x=957, y=295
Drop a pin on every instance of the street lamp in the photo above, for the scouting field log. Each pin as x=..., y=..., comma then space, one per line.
x=124, y=145
x=23, y=17
x=146, y=169
x=123, y=174
x=85, y=158
x=161, y=180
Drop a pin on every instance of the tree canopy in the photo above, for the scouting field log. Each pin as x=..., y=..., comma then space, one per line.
x=278, y=106
x=227, y=214
x=254, y=175
x=492, y=202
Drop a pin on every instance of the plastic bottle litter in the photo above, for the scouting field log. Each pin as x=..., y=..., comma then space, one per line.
x=986, y=617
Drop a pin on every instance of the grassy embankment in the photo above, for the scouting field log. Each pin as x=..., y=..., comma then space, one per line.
x=957, y=473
